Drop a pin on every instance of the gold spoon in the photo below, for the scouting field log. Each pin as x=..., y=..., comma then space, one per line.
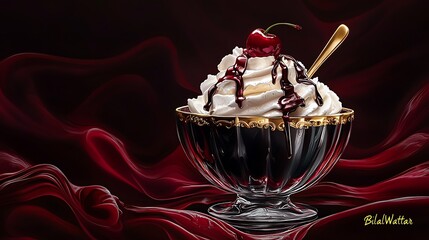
x=337, y=38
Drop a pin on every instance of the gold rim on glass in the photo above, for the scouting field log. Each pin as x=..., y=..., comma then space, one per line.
x=276, y=123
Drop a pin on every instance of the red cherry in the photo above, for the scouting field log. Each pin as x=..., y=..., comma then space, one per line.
x=260, y=43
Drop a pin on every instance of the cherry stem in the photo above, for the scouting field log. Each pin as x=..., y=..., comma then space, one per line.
x=297, y=27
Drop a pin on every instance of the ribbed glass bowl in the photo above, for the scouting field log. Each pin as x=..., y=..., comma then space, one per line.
x=264, y=161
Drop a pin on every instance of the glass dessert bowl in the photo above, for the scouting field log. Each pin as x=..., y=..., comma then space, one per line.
x=264, y=161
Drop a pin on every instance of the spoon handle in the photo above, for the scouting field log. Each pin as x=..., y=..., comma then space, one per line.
x=337, y=38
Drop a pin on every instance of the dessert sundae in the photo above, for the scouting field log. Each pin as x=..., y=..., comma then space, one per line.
x=259, y=81
x=263, y=129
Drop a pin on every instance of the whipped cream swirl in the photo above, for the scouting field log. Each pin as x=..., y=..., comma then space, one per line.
x=261, y=95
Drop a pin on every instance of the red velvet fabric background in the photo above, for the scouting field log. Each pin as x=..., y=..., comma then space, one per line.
x=88, y=148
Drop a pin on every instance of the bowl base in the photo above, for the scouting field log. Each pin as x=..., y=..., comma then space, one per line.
x=263, y=218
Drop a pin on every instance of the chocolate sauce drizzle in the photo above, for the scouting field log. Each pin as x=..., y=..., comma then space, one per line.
x=291, y=100
x=288, y=103
x=233, y=73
